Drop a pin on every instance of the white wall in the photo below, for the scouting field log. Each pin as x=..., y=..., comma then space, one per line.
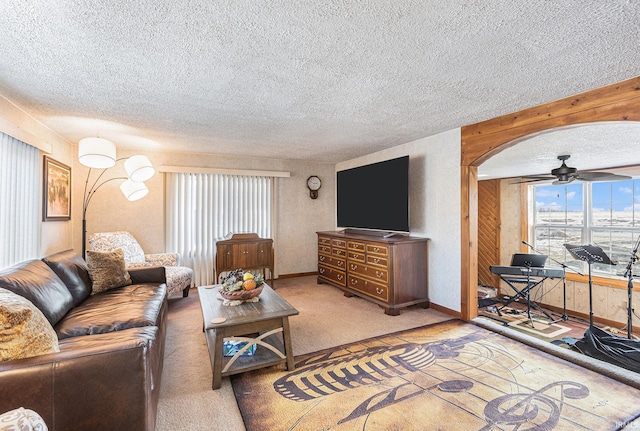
x=434, y=193
x=298, y=216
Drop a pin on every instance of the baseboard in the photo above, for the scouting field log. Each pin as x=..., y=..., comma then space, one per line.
x=445, y=310
x=299, y=274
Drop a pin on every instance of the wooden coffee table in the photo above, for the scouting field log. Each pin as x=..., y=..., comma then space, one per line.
x=264, y=323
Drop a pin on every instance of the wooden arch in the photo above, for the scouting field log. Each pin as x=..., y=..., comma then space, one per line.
x=480, y=141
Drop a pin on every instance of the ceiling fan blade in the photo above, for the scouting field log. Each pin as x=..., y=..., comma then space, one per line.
x=532, y=179
x=601, y=176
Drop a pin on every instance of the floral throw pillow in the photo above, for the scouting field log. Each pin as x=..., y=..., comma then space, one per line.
x=107, y=270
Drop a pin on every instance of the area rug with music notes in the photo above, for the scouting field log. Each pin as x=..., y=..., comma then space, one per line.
x=448, y=376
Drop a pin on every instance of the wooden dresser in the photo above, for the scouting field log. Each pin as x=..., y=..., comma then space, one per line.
x=244, y=250
x=391, y=272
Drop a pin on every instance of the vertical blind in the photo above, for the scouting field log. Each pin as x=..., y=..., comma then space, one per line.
x=202, y=209
x=20, y=196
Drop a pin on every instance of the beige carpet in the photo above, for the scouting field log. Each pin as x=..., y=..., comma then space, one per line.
x=327, y=319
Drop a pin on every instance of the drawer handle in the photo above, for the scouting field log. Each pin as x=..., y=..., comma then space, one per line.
x=321, y=270
x=379, y=274
x=376, y=249
x=353, y=267
x=376, y=260
x=340, y=263
x=340, y=277
x=379, y=291
x=321, y=258
x=354, y=281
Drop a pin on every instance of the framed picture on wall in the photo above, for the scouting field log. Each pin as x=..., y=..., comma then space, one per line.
x=56, y=202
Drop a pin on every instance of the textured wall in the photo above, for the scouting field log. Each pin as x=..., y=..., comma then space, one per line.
x=299, y=217
x=434, y=193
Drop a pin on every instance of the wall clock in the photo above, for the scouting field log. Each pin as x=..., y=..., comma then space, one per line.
x=314, y=184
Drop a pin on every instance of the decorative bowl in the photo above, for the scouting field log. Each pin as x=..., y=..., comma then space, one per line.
x=241, y=295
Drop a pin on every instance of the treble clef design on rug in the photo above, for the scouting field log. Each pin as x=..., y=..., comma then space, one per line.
x=534, y=411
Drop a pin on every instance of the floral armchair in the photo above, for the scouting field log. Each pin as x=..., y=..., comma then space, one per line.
x=179, y=278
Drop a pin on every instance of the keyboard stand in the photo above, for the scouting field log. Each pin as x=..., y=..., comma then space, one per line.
x=524, y=293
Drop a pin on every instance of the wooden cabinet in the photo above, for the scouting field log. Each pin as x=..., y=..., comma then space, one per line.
x=392, y=272
x=244, y=250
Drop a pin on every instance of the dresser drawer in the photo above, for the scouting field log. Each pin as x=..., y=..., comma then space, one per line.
x=356, y=246
x=356, y=256
x=338, y=243
x=334, y=275
x=324, y=240
x=325, y=249
x=336, y=262
x=382, y=262
x=375, y=273
x=338, y=252
x=381, y=250
x=376, y=290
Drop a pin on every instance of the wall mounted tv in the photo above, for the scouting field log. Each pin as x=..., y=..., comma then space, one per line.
x=375, y=196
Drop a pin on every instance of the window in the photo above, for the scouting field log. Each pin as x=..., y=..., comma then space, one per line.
x=20, y=173
x=605, y=214
x=204, y=208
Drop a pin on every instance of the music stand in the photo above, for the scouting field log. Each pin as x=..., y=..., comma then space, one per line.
x=590, y=254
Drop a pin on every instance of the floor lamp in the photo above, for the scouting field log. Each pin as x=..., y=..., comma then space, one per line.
x=99, y=153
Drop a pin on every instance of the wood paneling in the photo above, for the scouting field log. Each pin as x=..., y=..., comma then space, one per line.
x=488, y=231
x=616, y=102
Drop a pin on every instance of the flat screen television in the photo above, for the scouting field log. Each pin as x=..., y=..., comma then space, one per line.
x=374, y=196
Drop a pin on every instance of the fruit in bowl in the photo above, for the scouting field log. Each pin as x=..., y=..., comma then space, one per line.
x=240, y=285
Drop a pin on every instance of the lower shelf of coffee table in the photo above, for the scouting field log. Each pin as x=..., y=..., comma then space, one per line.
x=263, y=357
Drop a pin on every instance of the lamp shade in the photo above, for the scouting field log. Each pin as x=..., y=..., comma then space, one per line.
x=134, y=190
x=139, y=168
x=97, y=153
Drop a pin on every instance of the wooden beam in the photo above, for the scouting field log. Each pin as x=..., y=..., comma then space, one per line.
x=617, y=102
x=469, y=242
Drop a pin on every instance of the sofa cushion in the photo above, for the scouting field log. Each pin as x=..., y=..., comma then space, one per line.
x=107, y=270
x=126, y=307
x=34, y=280
x=24, y=331
x=73, y=271
x=150, y=274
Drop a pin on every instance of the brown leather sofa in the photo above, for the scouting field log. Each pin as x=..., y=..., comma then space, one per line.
x=107, y=373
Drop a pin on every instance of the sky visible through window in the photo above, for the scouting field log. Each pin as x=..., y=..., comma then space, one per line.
x=606, y=196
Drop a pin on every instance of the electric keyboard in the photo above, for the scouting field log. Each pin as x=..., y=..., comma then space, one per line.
x=530, y=271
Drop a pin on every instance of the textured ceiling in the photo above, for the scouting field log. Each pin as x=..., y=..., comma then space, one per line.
x=591, y=146
x=302, y=79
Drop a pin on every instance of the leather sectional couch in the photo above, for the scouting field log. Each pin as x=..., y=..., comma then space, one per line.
x=106, y=375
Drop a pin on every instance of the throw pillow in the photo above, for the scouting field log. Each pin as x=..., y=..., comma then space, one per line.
x=107, y=270
x=24, y=331
x=22, y=419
